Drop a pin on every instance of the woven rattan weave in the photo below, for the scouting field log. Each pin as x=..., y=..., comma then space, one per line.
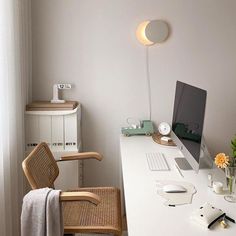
x=85, y=216
x=41, y=171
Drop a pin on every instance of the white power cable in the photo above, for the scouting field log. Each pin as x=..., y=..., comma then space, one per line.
x=148, y=83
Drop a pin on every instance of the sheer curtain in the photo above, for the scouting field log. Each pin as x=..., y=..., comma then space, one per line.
x=15, y=74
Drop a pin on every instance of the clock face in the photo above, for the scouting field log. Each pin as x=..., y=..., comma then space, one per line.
x=164, y=128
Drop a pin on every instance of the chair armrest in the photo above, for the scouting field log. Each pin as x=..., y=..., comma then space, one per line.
x=81, y=156
x=80, y=196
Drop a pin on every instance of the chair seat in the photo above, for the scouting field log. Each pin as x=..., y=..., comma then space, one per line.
x=82, y=216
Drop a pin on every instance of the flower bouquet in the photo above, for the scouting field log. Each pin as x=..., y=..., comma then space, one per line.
x=229, y=164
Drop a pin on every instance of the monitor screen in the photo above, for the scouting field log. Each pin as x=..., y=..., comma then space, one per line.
x=188, y=117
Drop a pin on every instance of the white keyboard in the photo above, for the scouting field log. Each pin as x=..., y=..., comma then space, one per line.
x=157, y=161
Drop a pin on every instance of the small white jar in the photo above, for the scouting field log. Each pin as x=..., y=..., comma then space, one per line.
x=218, y=187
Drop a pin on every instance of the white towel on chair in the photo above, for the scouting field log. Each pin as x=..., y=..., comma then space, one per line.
x=41, y=213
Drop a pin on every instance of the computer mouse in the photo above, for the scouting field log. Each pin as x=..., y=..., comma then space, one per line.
x=174, y=188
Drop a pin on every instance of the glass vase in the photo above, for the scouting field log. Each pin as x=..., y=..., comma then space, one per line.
x=230, y=173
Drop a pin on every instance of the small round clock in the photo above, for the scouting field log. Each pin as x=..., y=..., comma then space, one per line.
x=164, y=128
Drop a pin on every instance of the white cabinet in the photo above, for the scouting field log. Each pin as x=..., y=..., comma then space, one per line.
x=62, y=132
x=32, y=131
x=71, y=133
x=57, y=133
x=44, y=124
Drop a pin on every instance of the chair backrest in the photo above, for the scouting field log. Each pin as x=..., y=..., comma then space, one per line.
x=40, y=167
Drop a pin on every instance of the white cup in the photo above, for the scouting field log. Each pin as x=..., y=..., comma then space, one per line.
x=218, y=187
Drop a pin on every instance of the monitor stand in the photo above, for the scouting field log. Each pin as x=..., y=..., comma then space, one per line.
x=205, y=159
x=183, y=163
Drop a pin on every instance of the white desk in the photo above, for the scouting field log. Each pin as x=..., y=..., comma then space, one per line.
x=146, y=214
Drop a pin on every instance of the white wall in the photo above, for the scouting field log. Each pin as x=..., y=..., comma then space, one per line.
x=92, y=44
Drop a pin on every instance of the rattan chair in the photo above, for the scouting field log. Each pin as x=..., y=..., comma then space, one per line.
x=85, y=210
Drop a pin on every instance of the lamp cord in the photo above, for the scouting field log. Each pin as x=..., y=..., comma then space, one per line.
x=148, y=83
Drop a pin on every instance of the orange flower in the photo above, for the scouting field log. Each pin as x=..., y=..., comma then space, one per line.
x=221, y=160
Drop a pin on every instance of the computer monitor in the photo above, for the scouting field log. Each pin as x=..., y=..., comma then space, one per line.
x=187, y=123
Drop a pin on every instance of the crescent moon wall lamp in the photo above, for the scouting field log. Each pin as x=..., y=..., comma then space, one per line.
x=151, y=32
